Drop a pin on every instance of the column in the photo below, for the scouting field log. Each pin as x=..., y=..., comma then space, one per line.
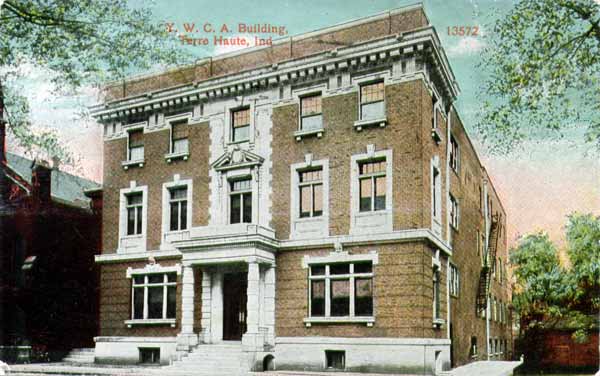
x=269, y=304
x=205, y=323
x=187, y=338
x=251, y=339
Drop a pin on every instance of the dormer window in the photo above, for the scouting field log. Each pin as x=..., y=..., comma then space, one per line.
x=136, y=145
x=311, y=117
x=372, y=103
x=240, y=125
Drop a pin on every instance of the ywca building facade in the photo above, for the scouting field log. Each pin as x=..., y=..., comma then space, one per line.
x=315, y=204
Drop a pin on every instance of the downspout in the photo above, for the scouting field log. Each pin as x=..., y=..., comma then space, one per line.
x=448, y=281
x=487, y=298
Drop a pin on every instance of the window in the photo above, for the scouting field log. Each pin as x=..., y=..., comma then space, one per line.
x=149, y=355
x=372, y=104
x=436, y=189
x=434, y=112
x=154, y=296
x=134, y=213
x=372, y=185
x=136, y=145
x=454, y=154
x=311, y=193
x=341, y=289
x=241, y=201
x=240, y=124
x=436, y=294
x=453, y=212
x=454, y=280
x=179, y=137
x=335, y=359
x=178, y=208
x=311, y=113
x=473, y=351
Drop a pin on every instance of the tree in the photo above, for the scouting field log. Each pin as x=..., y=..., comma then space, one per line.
x=81, y=42
x=543, y=72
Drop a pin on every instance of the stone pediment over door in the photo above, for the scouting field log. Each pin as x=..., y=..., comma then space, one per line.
x=236, y=159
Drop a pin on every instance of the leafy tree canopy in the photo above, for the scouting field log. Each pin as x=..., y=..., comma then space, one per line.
x=543, y=73
x=84, y=42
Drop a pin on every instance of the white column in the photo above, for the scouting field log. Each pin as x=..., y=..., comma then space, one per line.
x=205, y=322
x=187, y=338
x=269, y=304
x=252, y=340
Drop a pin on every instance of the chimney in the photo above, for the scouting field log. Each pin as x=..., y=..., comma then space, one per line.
x=2, y=128
x=41, y=179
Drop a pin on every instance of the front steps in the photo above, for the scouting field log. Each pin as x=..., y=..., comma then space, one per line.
x=221, y=359
x=83, y=356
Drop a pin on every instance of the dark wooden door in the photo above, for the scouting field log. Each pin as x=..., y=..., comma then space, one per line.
x=234, y=305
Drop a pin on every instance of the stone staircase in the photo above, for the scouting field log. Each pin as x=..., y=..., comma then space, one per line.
x=221, y=359
x=84, y=356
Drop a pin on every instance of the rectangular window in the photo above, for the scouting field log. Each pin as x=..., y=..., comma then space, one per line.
x=179, y=137
x=149, y=355
x=372, y=185
x=434, y=112
x=372, y=103
x=435, y=190
x=311, y=113
x=454, y=280
x=154, y=296
x=473, y=351
x=341, y=289
x=136, y=145
x=436, y=294
x=335, y=359
x=311, y=193
x=453, y=212
x=454, y=154
x=134, y=213
x=178, y=208
x=240, y=125
x=241, y=201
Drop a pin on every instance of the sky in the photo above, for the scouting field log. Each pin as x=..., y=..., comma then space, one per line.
x=539, y=185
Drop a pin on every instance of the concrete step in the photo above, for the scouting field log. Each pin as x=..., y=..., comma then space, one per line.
x=223, y=359
x=81, y=355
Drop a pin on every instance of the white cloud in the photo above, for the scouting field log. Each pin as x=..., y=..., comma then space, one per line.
x=467, y=46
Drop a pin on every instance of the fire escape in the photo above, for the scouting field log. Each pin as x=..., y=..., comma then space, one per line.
x=489, y=263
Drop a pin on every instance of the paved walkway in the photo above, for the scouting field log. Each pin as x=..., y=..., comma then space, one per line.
x=491, y=368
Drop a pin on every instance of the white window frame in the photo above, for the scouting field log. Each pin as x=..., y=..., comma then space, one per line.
x=129, y=131
x=454, y=280
x=152, y=269
x=436, y=196
x=456, y=166
x=360, y=103
x=365, y=79
x=137, y=242
x=176, y=119
x=340, y=258
x=230, y=193
x=297, y=95
x=308, y=227
x=380, y=221
x=437, y=295
x=166, y=210
x=229, y=119
x=454, y=208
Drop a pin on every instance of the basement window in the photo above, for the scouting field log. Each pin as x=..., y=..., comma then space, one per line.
x=335, y=359
x=150, y=355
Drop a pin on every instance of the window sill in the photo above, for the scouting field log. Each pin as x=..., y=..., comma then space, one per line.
x=360, y=124
x=368, y=320
x=171, y=322
x=372, y=213
x=173, y=156
x=238, y=142
x=137, y=163
x=134, y=236
x=437, y=323
x=308, y=133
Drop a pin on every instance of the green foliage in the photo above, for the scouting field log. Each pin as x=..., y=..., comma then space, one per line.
x=543, y=73
x=85, y=42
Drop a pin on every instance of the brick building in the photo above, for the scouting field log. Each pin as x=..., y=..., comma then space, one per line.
x=314, y=204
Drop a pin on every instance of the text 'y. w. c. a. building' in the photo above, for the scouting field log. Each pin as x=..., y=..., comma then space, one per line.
x=314, y=204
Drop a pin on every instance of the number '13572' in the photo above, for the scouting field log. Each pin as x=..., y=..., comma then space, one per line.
x=463, y=31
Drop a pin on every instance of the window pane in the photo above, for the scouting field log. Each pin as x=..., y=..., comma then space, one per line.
x=236, y=213
x=363, y=300
x=241, y=118
x=310, y=176
x=180, y=146
x=139, y=220
x=136, y=138
x=340, y=297
x=138, y=280
x=305, y=201
x=138, y=303
x=156, y=278
x=134, y=199
x=174, y=216
x=363, y=267
x=317, y=270
x=312, y=122
x=311, y=105
x=240, y=185
x=180, y=130
x=247, y=207
x=380, y=193
x=136, y=153
x=183, y=215
x=172, y=277
x=171, y=301
x=375, y=110
x=241, y=133
x=365, y=194
x=155, y=302
x=372, y=92
x=339, y=269
x=318, y=200
x=178, y=193
x=130, y=221
x=317, y=300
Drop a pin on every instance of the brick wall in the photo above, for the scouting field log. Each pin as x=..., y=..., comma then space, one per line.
x=155, y=172
x=402, y=300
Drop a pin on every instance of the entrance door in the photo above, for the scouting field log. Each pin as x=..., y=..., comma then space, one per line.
x=234, y=305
